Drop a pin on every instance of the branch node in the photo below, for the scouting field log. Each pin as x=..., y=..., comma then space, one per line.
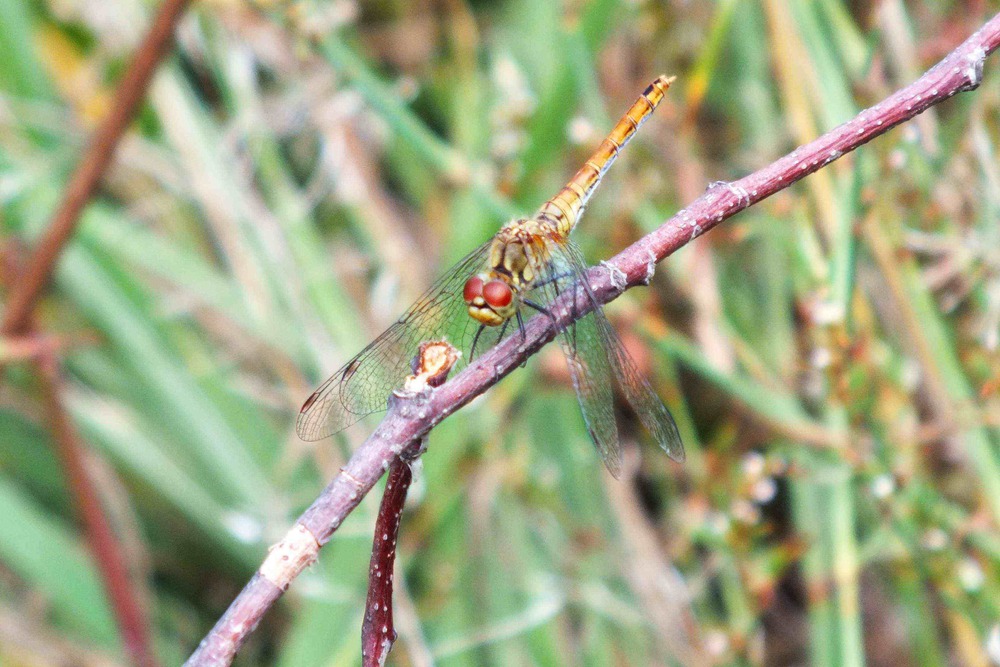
x=742, y=196
x=974, y=70
x=650, y=266
x=430, y=368
x=618, y=278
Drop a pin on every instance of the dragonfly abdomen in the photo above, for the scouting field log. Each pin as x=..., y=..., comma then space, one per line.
x=567, y=206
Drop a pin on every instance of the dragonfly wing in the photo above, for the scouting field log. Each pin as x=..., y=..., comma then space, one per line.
x=363, y=385
x=652, y=412
x=588, y=366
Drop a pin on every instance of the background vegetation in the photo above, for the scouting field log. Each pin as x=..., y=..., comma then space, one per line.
x=301, y=172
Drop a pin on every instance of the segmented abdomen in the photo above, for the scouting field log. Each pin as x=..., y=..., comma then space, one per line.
x=566, y=207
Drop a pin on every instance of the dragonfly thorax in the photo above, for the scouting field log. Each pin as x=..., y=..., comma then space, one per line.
x=520, y=252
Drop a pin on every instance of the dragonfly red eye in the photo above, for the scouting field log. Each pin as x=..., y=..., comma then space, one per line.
x=473, y=288
x=497, y=294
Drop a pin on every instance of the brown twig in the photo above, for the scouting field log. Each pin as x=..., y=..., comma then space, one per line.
x=17, y=318
x=108, y=556
x=129, y=95
x=45, y=352
x=430, y=369
x=316, y=526
x=377, y=632
x=409, y=420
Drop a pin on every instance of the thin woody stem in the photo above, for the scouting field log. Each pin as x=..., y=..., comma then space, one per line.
x=17, y=319
x=129, y=95
x=404, y=426
x=104, y=545
x=378, y=632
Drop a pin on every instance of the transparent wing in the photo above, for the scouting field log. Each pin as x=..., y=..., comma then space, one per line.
x=588, y=362
x=591, y=372
x=596, y=355
x=652, y=412
x=363, y=385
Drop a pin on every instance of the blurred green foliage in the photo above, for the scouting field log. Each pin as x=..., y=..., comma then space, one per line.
x=301, y=171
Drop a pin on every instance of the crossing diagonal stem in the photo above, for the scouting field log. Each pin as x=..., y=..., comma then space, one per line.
x=409, y=419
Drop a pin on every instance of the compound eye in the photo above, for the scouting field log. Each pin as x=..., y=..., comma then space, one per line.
x=473, y=288
x=497, y=294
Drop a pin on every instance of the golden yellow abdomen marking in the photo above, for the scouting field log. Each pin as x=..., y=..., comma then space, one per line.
x=566, y=207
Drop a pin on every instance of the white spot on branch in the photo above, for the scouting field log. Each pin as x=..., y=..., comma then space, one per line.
x=290, y=556
x=742, y=196
x=695, y=231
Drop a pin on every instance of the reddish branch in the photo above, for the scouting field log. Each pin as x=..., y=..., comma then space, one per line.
x=430, y=369
x=377, y=631
x=108, y=556
x=129, y=95
x=301, y=544
x=408, y=420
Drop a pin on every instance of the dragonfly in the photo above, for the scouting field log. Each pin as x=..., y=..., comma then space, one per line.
x=525, y=267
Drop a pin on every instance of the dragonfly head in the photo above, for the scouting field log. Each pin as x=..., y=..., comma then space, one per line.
x=490, y=299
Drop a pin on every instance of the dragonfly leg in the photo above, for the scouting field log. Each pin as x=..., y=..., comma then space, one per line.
x=573, y=306
x=503, y=330
x=575, y=313
x=524, y=335
x=540, y=308
x=475, y=339
x=555, y=278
